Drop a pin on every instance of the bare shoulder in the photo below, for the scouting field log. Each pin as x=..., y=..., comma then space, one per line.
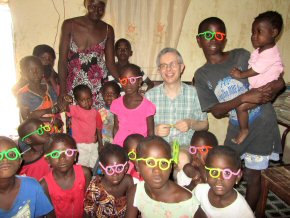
x=128, y=181
x=43, y=184
x=180, y=193
x=87, y=172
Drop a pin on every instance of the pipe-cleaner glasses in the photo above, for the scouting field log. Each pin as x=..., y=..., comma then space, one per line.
x=39, y=131
x=56, y=153
x=112, y=169
x=216, y=172
x=10, y=154
x=201, y=149
x=208, y=35
x=132, y=80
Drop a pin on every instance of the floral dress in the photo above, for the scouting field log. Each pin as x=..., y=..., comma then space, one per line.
x=87, y=67
x=99, y=203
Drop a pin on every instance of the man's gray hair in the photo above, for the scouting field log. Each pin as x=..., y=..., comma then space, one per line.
x=169, y=50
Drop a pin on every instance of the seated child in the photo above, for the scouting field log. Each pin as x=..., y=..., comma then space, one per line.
x=218, y=198
x=86, y=126
x=194, y=173
x=35, y=134
x=133, y=113
x=23, y=196
x=35, y=99
x=110, y=91
x=106, y=195
x=123, y=53
x=130, y=145
x=157, y=196
x=66, y=184
x=47, y=56
x=265, y=64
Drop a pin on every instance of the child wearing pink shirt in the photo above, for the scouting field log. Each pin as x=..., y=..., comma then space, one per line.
x=133, y=113
x=265, y=64
x=86, y=125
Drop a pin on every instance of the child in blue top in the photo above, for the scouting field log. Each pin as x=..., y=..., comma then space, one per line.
x=24, y=197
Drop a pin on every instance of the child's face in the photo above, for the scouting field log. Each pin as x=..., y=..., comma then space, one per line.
x=213, y=46
x=34, y=72
x=221, y=186
x=8, y=168
x=262, y=34
x=61, y=156
x=115, y=178
x=109, y=95
x=47, y=59
x=130, y=87
x=155, y=177
x=170, y=69
x=123, y=51
x=85, y=99
x=39, y=137
x=201, y=154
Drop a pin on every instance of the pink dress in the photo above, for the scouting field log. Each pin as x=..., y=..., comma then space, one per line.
x=268, y=65
x=131, y=120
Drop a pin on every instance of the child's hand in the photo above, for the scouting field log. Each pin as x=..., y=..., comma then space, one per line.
x=236, y=73
x=162, y=130
x=68, y=98
x=58, y=123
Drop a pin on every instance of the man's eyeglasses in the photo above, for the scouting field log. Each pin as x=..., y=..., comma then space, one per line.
x=132, y=80
x=10, y=154
x=208, y=35
x=201, y=149
x=216, y=172
x=112, y=169
x=152, y=162
x=171, y=65
x=39, y=131
x=56, y=153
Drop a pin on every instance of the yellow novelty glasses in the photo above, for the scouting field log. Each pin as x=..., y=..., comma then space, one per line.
x=132, y=155
x=152, y=162
x=39, y=131
x=208, y=35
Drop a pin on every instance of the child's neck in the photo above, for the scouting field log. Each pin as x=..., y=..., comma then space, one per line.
x=64, y=175
x=157, y=194
x=222, y=201
x=133, y=100
x=217, y=58
x=7, y=185
x=265, y=47
x=122, y=63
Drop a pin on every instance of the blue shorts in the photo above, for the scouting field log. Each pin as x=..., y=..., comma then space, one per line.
x=258, y=162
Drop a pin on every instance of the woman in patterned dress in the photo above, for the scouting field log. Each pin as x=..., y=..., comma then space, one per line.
x=84, y=43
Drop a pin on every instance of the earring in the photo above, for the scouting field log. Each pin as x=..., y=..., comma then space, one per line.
x=237, y=182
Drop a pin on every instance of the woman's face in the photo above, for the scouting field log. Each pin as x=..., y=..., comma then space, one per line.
x=96, y=9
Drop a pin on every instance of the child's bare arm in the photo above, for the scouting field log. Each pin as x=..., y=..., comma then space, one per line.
x=237, y=74
x=150, y=125
x=100, y=139
x=116, y=125
x=131, y=211
x=199, y=213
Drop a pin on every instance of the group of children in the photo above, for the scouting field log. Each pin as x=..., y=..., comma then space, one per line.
x=138, y=172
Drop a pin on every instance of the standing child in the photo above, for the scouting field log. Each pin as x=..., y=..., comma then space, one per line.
x=124, y=51
x=20, y=196
x=133, y=113
x=110, y=91
x=157, y=196
x=36, y=100
x=106, y=195
x=35, y=134
x=86, y=126
x=66, y=184
x=265, y=64
x=194, y=173
x=130, y=145
x=220, y=94
x=218, y=198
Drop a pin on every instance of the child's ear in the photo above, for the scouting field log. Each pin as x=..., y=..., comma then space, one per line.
x=198, y=41
x=130, y=53
x=275, y=33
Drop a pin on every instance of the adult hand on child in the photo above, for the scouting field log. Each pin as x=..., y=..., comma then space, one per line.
x=162, y=130
x=183, y=125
